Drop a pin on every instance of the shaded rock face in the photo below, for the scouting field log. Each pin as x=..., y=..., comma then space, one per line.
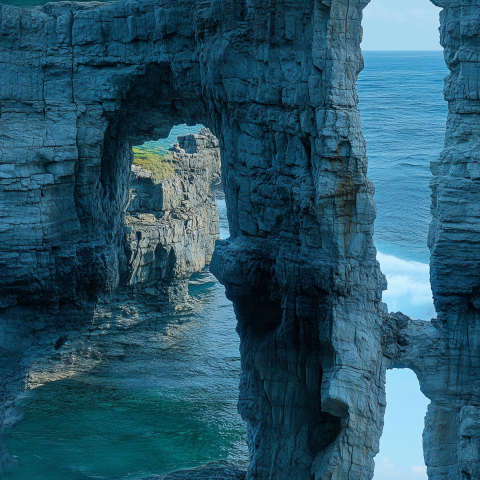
x=275, y=83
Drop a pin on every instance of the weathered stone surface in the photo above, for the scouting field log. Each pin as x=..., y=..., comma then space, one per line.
x=275, y=83
x=171, y=225
x=278, y=91
x=277, y=88
x=452, y=436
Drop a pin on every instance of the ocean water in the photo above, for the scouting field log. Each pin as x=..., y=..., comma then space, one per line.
x=170, y=403
x=403, y=117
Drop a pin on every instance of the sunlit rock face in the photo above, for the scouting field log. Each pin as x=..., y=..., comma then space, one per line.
x=171, y=225
x=82, y=83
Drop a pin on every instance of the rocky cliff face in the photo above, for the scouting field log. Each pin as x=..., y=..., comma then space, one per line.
x=171, y=225
x=275, y=83
x=451, y=379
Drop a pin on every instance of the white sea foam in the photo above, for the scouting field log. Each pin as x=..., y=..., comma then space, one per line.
x=408, y=287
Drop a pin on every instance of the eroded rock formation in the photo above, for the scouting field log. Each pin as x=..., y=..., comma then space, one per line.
x=275, y=82
x=171, y=225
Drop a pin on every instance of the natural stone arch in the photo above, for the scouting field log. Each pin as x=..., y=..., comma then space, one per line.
x=276, y=84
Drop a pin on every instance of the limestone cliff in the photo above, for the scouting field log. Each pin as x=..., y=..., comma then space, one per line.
x=171, y=225
x=275, y=82
x=277, y=88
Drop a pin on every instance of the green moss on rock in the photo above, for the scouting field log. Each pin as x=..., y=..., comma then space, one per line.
x=154, y=158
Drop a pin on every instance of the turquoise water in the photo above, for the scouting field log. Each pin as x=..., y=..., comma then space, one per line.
x=169, y=400
x=168, y=404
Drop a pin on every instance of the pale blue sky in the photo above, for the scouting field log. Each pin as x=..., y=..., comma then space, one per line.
x=401, y=451
x=401, y=25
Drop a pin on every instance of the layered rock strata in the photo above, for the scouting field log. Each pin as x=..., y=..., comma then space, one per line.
x=171, y=225
x=452, y=433
x=275, y=83
x=277, y=88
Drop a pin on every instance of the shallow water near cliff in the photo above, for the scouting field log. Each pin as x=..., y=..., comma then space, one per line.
x=171, y=404
x=168, y=406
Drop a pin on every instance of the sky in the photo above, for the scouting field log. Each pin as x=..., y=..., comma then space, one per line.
x=401, y=25
x=401, y=451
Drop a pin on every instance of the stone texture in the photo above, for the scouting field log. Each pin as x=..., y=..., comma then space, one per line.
x=171, y=225
x=452, y=436
x=277, y=88
x=275, y=83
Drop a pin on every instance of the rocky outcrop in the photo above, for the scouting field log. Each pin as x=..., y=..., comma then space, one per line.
x=171, y=225
x=275, y=83
x=452, y=434
x=277, y=88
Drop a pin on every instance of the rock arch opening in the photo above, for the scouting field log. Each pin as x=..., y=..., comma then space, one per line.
x=401, y=449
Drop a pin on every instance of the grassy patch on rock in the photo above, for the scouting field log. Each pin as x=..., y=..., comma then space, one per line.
x=154, y=158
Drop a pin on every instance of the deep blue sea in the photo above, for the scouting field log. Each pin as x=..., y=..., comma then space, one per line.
x=171, y=402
